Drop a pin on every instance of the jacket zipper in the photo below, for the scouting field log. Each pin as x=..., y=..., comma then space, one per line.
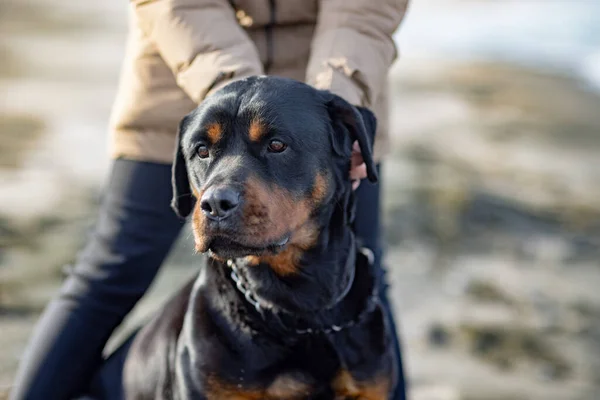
x=269, y=37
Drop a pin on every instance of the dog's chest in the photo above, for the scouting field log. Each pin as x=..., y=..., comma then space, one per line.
x=297, y=386
x=315, y=377
x=219, y=360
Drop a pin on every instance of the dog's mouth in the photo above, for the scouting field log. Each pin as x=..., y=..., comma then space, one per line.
x=226, y=247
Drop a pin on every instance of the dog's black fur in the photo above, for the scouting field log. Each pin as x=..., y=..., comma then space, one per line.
x=288, y=230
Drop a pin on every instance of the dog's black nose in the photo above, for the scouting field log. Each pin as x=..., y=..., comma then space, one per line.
x=219, y=202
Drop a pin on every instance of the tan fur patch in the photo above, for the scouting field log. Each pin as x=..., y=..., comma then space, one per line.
x=288, y=387
x=217, y=390
x=214, y=132
x=269, y=213
x=319, y=188
x=345, y=386
x=287, y=262
x=257, y=130
x=276, y=213
x=283, y=388
x=199, y=225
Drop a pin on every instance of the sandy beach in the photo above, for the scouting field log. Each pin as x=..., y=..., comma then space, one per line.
x=491, y=205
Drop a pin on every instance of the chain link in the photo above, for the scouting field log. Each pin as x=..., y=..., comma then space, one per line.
x=242, y=287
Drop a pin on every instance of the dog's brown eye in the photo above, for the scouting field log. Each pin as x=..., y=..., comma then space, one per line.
x=202, y=151
x=277, y=146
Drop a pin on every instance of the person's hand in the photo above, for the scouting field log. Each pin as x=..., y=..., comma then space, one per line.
x=358, y=169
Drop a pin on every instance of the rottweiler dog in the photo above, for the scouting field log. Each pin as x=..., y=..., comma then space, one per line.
x=286, y=305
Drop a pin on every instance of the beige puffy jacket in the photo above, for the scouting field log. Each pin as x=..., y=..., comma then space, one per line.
x=179, y=51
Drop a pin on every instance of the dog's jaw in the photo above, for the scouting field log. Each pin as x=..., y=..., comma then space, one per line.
x=310, y=278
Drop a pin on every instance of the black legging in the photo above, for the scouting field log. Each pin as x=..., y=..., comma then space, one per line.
x=135, y=231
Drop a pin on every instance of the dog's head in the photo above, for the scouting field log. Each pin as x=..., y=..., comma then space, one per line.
x=262, y=164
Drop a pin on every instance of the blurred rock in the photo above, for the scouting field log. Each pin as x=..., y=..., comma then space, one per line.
x=20, y=133
x=438, y=335
x=481, y=291
x=507, y=347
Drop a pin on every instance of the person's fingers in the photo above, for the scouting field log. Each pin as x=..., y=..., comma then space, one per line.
x=356, y=155
x=356, y=160
x=358, y=172
x=358, y=169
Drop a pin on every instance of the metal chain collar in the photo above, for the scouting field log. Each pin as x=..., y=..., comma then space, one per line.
x=241, y=286
x=251, y=298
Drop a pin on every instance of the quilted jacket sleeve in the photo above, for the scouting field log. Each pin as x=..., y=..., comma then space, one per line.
x=201, y=42
x=353, y=49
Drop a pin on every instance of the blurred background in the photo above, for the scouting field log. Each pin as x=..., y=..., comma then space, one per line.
x=492, y=195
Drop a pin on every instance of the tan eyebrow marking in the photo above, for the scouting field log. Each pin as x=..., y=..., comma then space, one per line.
x=215, y=132
x=257, y=130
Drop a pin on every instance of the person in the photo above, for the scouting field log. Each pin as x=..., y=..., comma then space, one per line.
x=178, y=53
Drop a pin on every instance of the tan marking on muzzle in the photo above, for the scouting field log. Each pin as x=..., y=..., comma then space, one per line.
x=277, y=214
x=199, y=224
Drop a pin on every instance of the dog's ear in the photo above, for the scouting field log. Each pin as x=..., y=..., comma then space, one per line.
x=360, y=123
x=183, y=200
